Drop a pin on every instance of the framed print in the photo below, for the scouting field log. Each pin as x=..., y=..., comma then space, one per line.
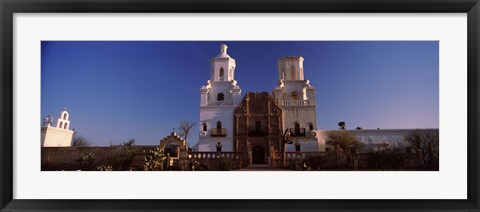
x=255, y=106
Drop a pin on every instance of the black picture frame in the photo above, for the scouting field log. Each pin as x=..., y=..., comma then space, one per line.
x=9, y=7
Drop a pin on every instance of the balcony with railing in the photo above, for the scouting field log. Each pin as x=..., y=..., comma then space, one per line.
x=297, y=132
x=220, y=103
x=293, y=103
x=218, y=132
x=257, y=132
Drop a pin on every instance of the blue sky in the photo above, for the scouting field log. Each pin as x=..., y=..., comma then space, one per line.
x=116, y=90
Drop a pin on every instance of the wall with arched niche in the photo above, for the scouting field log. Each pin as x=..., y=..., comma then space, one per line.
x=182, y=148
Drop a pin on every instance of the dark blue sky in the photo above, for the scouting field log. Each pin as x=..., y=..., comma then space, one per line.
x=141, y=89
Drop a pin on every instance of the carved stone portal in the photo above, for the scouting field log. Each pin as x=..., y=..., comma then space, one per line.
x=258, y=127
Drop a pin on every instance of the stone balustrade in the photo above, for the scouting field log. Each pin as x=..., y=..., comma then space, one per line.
x=294, y=103
x=215, y=155
x=220, y=103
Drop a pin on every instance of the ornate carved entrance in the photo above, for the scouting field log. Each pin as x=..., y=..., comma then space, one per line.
x=257, y=128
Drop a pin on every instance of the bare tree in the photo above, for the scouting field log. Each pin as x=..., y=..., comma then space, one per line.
x=423, y=142
x=79, y=140
x=130, y=142
x=185, y=128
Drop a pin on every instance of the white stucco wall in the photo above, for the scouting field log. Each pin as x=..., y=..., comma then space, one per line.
x=302, y=115
x=220, y=87
x=55, y=137
x=298, y=86
x=210, y=116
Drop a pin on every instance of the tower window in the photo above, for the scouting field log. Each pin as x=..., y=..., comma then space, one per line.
x=204, y=126
x=294, y=95
x=220, y=74
x=219, y=125
x=310, y=126
x=64, y=116
x=60, y=125
x=220, y=97
x=66, y=126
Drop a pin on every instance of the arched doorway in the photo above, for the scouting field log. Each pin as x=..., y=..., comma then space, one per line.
x=171, y=149
x=258, y=155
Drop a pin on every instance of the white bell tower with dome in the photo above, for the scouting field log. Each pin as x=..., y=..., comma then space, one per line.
x=218, y=98
x=296, y=97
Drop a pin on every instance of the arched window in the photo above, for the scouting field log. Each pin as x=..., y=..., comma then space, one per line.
x=294, y=95
x=204, y=126
x=310, y=126
x=220, y=97
x=65, y=116
x=60, y=125
x=66, y=126
x=283, y=73
x=292, y=73
x=231, y=73
x=220, y=74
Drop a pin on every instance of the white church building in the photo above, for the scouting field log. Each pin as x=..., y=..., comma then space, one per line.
x=232, y=122
x=221, y=95
x=294, y=95
x=59, y=135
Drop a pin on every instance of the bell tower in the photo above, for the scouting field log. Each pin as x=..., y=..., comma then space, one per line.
x=218, y=98
x=223, y=66
x=296, y=97
x=59, y=135
x=63, y=122
x=290, y=68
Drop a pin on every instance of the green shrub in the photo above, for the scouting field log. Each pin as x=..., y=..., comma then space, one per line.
x=155, y=160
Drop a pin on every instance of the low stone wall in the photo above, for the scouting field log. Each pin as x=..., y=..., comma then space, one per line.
x=66, y=158
x=118, y=157
x=125, y=158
